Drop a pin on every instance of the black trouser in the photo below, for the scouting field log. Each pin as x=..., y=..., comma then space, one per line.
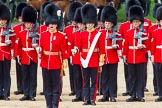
x=30, y=79
x=5, y=79
x=51, y=87
x=78, y=80
x=145, y=74
x=89, y=77
x=71, y=76
x=100, y=75
x=109, y=80
x=136, y=72
x=127, y=77
x=61, y=85
x=43, y=81
x=155, y=79
x=158, y=67
x=19, y=77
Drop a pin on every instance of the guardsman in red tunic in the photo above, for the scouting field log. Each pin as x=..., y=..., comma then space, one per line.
x=6, y=51
x=18, y=28
x=134, y=51
x=156, y=51
x=151, y=30
x=27, y=54
x=113, y=46
x=43, y=27
x=147, y=24
x=90, y=46
x=76, y=56
x=100, y=26
x=69, y=30
x=53, y=54
x=124, y=27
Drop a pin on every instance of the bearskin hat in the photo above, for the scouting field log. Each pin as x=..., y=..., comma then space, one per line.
x=145, y=4
x=155, y=8
x=19, y=9
x=77, y=16
x=89, y=13
x=135, y=13
x=72, y=8
x=42, y=11
x=159, y=13
x=130, y=3
x=109, y=14
x=5, y=13
x=99, y=9
x=29, y=14
x=54, y=15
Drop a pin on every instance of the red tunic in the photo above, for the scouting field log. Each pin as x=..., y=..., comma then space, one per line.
x=53, y=43
x=18, y=28
x=42, y=28
x=74, y=43
x=150, y=33
x=85, y=42
x=69, y=30
x=5, y=50
x=156, y=46
x=111, y=55
x=25, y=50
x=134, y=56
x=147, y=24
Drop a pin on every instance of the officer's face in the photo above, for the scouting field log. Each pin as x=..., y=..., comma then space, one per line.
x=3, y=22
x=28, y=25
x=81, y=26
x=108, y=25
x=90, y=26
x=52, y=27
x=136, y=23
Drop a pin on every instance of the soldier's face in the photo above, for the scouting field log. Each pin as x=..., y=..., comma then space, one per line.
x=20, y=19
x=28, y=25
x=3, y=22
x=90, y=26
x=52, y=27
x=136, y=23
x=100, y=23
x=81, y=26
x=160, y=22
x=108, y=25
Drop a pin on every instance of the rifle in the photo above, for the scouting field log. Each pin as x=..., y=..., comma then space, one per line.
x=140, y=34
x=8, y=32
x=34, y=35
x=113, y=36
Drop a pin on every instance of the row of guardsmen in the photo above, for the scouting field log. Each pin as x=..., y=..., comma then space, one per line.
x=82, y=48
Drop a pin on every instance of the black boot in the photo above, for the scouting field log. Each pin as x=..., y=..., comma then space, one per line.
x=131, y=99
x=48, y=101
x=159, y=99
